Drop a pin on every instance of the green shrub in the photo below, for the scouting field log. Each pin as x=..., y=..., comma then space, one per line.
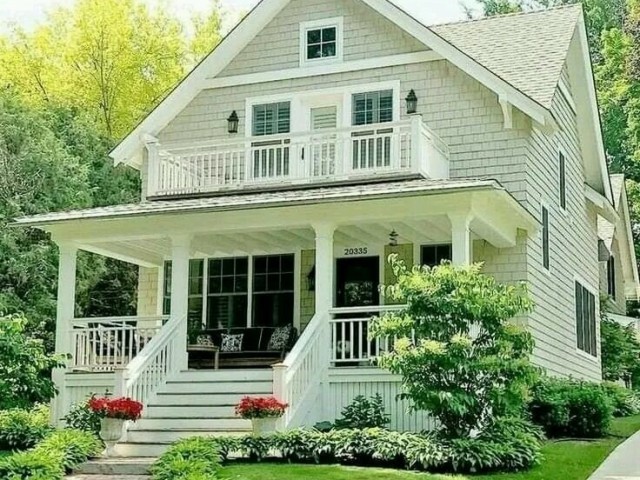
x=32, y=465
x=569, y=408
x=81, y=417
x=226, y=446
x=74, y=446
x=25, y=366
x=22, y=429
x=508, y=444
x=364, y=413
x=196, y=458
x=625, y=402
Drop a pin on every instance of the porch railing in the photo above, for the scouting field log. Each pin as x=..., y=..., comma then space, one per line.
x=372, y=150
x=157, y=361
x=351, y=343
x=107, y=343
x=298, y=380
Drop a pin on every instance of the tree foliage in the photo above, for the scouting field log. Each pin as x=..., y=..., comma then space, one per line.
x=620, y=352
x=112, y=59
x=24, y=367
x=460, y=357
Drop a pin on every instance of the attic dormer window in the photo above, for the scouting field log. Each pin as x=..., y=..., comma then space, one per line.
x=321, y=41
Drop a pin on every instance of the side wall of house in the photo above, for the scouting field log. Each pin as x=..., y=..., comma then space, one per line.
x=573, y=247
x=617, y=305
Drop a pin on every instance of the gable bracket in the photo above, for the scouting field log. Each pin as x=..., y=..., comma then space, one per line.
x=507, y=111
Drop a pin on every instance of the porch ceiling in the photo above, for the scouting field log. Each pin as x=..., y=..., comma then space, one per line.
x=364, y=213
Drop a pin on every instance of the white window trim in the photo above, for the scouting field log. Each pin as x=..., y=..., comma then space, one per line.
x=596, y=293
x=338, y=23
x=299, y=121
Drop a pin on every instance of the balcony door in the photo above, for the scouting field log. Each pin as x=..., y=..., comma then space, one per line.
x=322, y=119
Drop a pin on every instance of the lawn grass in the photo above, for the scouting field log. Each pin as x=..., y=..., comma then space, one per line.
x=563, y=460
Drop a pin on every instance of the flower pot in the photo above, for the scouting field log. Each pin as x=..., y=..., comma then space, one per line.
x=111, y=433
x=264, y=425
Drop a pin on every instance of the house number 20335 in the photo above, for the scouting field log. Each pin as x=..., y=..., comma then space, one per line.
x=356, y=251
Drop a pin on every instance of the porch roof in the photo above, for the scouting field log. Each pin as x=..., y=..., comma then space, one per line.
x=269, y=199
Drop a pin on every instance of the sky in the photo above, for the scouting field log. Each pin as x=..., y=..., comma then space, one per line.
x=28, y=13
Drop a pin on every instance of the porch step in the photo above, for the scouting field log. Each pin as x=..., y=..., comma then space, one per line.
x=246, y=387
x=190, y=410
x=108, y=477
x=264, y=374
x=115, y=466
x=153, y=443
x=206, y=423
x=167, y=399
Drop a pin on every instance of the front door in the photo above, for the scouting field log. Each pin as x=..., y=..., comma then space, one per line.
x=357, y=281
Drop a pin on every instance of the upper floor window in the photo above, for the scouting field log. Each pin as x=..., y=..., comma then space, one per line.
x=562, y=179
x=271, y=119
x=586, y=320
x=434, y=255
x=611, y=277
x=373, y=107
x=545, y=238
x=321, y=40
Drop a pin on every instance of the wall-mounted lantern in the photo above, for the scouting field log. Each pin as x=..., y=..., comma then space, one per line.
x=412, y=102
x=233, y=121
x=311, y=279
x=393, y=238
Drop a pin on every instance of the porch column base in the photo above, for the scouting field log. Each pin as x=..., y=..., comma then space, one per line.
x=324, y=267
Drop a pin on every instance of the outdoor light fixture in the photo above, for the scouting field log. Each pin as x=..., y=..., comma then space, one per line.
x=233, y=121
x=311, y=279
x=393, y=238
x=412, y=102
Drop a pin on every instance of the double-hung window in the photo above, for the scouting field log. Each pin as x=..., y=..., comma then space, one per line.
x=562, y=179
x=586, y=320
x=273, y=290
x=372, y=148
x=611, y=277
x=227, y=295
x=434, y=255
x=545, y=238
x=195, y=298
x=271, y=157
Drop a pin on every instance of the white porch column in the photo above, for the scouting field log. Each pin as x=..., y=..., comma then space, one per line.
x=180, y=253
x=65, y=313
x=324, y=266
x=462, y=246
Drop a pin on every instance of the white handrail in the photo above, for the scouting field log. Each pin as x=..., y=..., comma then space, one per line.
x=152, y=367
x=298, y=379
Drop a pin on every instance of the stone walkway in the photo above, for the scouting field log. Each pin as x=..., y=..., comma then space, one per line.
x=113, y=469
x=623, y=463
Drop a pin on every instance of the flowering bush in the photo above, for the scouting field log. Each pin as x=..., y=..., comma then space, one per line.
x=122, y=408
x=260, y=407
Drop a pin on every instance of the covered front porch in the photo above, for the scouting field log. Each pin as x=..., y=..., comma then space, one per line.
x=309, y=259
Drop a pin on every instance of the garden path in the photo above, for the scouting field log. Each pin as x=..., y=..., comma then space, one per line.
x=623, y=463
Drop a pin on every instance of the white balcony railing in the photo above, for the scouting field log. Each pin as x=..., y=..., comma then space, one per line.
x=105, y=344
x=311, y=157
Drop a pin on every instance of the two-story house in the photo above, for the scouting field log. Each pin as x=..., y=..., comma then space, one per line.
x=318, y=138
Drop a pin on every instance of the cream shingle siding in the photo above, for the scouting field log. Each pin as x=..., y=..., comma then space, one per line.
x=463, y=112
x=147, y=292
x=618, y=304
x=366, y=35
x=469, y=119
x=573, y=248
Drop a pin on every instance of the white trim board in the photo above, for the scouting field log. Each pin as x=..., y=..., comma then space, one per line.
x=335, y=22
x=325, y=69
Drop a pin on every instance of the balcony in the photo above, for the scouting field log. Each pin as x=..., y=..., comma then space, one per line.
x=297, y=159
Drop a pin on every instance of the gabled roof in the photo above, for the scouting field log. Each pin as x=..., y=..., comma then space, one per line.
x=128, y=151
x=513, y=47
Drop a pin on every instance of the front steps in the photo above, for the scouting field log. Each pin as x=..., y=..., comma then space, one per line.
x=195, y=403
x=113, y=469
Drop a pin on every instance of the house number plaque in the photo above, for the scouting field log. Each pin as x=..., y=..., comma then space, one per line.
x=356, y=251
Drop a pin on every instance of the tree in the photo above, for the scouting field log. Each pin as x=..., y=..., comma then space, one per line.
x=460, y=357
x=620, y=351
x=113, y=60
x=24, y=367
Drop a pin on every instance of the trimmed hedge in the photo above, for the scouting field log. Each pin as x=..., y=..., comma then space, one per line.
x=23, y=429
x=508, y=445
x=52, y=458
x=571, y=408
